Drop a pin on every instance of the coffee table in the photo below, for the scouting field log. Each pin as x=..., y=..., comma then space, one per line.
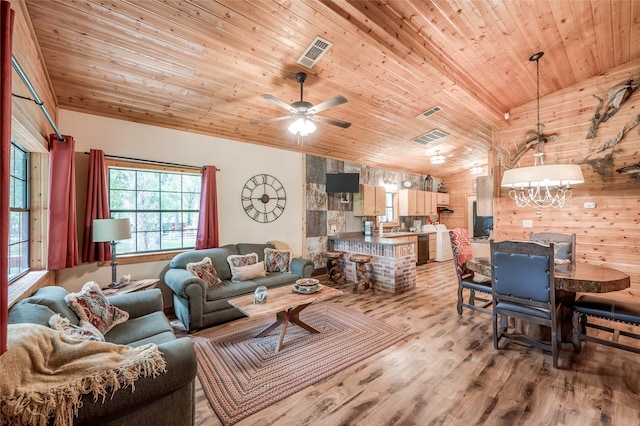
x=286, y=304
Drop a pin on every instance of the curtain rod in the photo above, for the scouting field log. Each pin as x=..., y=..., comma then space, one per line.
x=138, y=160
x=36, y=99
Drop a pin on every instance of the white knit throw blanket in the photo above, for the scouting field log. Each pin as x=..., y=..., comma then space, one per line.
x=44, y=373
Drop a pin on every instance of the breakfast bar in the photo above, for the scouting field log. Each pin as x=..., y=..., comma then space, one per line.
x=393, y=259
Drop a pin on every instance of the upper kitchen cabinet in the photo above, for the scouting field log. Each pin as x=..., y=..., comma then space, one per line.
x=412, y=202
x=442, y=199
x=370, y=201
x=431, y=203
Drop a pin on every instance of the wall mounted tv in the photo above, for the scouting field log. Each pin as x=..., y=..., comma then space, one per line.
x=343, y=182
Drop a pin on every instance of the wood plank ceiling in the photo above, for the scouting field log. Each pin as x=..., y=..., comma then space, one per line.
x=201, y=66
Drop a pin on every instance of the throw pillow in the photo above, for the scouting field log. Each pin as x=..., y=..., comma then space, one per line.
x=85, y=331
x=248, y=272
x=91, y=305
x=277, y=260
x=205, y=271
x=236, y=260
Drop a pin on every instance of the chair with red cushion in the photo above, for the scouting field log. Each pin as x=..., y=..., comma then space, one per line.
x=461, y=248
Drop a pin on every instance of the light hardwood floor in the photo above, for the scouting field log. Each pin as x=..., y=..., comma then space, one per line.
x=446, y=371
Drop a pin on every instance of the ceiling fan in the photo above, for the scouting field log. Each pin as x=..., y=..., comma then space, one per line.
x=305, y=112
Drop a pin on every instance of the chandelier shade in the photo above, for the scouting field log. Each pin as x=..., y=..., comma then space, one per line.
x=546, y=175
x=542, y=186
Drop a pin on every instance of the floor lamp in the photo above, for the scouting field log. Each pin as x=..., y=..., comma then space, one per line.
x=111, y=230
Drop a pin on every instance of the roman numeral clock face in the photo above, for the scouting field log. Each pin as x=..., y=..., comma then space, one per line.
x=263, y=198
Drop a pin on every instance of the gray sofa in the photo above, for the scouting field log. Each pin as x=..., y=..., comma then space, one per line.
x=198, y=306
x=167, y=399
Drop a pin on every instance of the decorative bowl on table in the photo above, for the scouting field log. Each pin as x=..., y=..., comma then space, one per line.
x=307, y=286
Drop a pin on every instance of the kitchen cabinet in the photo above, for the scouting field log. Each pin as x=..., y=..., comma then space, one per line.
x=431, y=203
x=442, y=199
x=370, y=201
x=432, y=247
x=412, y=202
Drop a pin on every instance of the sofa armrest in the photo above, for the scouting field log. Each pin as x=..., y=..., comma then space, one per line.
x=139, y=303
x=179, y=280
x=302, y=267
x=181, y=362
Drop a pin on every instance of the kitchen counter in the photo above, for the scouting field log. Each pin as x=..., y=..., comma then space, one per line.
x=393, y=259
x=391, y=239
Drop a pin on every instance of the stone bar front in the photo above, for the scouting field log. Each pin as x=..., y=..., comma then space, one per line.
x=393, y=260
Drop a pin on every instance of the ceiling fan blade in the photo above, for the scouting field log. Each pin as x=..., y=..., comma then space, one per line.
x=338, y=100
x=278, y=102
x=271, y=120
x=332, y=121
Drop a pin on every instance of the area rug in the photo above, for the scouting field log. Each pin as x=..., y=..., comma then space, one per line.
x=242, y=375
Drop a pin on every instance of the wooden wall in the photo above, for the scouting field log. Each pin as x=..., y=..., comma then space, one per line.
x=29, y=125
x=608, y=235
x=460, y=187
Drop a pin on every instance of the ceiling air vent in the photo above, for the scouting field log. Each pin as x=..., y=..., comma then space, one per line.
x=429, y=113
x=431, y=136
x=314, y=52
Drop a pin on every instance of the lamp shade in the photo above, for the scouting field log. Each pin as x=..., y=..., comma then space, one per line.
x=544, y=175
x=111, y=230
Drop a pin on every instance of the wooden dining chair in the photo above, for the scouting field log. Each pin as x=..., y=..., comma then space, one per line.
x=565, y=244
x=522, y=282
x=467, y=280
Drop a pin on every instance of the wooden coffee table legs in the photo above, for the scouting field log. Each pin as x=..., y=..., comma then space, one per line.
x=284, y=318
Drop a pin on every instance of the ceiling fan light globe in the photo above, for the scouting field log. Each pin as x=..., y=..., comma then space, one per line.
x=302, y=126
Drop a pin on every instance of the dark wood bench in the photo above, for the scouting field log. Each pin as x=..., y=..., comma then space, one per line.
x=612, y=310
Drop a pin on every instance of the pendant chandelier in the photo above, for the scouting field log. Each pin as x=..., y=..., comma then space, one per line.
x=541, y=185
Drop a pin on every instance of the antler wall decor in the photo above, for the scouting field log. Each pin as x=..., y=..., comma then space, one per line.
x=616, y=96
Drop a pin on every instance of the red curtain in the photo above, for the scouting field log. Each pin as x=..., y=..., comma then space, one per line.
x=63, y=234
x=97, y=208
x=208, y=220
x=6, y=22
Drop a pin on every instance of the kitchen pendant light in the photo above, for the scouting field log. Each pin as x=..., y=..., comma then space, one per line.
x=476, y=169
x=541, y=185
x=438, y=158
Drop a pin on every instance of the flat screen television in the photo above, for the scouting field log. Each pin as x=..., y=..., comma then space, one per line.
x=343, y=182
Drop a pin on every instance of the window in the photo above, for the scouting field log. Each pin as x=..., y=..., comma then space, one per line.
x=390, y=211
x=162, y=205
x=18, y=212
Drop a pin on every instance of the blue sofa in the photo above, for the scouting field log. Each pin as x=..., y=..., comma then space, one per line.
x=200, y=307
x=167, y=399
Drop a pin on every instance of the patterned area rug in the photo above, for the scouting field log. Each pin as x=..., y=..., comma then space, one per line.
x=241, y=374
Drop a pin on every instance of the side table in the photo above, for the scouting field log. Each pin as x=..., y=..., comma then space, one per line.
x=132, y=286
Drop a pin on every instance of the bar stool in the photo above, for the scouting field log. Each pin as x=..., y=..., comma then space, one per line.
x=334, y=269
x=364, y=281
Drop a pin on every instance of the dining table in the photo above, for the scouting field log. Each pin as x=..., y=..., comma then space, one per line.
x=570, y=279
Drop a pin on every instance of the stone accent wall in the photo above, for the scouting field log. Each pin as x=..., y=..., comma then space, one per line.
x=392, y=267
x=325, y=213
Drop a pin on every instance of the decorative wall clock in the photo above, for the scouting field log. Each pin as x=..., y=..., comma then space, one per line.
x=263, y=198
